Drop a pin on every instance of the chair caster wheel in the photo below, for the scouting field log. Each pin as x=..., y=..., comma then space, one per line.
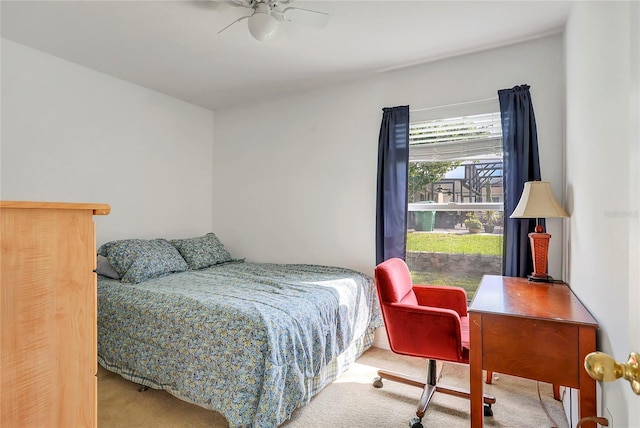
x=487, y=410
x=377, y=382
x=415, y=423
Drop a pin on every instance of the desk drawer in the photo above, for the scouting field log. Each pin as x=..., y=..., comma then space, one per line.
x=535, y=349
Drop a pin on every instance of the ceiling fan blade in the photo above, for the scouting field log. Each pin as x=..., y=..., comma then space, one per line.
x=237, y=20
x=240, y=3
x=218, y=4
x=278, y=15
x=311, y=18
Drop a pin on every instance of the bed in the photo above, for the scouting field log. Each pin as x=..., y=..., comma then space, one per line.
x=253, y=341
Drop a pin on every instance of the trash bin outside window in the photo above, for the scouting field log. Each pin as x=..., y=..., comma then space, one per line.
x=425, y=220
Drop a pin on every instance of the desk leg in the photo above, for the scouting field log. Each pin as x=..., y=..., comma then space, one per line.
x=587, y=394
x=475, y=369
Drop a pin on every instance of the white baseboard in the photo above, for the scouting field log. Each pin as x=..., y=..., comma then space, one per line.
x=380, y=339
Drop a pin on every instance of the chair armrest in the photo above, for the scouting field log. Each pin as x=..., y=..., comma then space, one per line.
x=442, y=296
x=425, y=332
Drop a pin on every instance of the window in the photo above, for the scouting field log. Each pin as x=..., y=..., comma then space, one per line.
x=455, y=199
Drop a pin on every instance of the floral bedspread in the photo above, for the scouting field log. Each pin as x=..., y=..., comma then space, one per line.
x=252, y=341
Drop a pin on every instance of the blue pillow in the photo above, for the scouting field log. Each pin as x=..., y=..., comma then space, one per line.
x=137, y=260
x=202, y=252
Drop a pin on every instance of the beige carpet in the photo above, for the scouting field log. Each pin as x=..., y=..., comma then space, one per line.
x=351, y=401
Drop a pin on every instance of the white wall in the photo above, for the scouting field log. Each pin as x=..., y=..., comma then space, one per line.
x=72, y=134
x=602, y=64
x=298, y=175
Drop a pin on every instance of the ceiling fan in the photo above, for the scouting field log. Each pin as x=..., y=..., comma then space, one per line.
x=266, y=16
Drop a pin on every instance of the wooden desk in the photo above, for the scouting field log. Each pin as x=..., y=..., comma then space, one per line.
x=533, y=330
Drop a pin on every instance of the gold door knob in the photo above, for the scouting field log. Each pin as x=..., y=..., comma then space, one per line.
x=604, y=368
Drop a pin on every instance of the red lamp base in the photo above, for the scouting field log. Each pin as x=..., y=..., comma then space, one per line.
x=547, y=278
x=539, y=250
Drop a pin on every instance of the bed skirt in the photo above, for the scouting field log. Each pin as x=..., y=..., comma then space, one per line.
x=328, y=373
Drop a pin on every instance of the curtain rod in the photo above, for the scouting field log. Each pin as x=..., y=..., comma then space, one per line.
x=454, y=105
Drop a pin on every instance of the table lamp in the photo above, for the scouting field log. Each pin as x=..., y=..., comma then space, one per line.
x=537, y=201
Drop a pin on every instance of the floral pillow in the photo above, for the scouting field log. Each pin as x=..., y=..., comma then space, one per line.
x=203, y=251
x=137, y=260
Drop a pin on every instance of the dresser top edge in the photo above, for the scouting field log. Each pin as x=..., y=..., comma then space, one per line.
x=98, y=209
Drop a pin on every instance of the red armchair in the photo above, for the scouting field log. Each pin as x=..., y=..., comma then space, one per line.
x=426, y=321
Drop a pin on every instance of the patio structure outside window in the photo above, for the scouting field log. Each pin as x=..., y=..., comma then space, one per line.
x=455, y=200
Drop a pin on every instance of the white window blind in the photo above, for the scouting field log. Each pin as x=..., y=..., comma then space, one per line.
x=458, y=138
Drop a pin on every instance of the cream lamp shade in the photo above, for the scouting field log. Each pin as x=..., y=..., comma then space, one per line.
x=538, y=201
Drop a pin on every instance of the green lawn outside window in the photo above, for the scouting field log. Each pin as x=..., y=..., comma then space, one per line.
x=485, y=244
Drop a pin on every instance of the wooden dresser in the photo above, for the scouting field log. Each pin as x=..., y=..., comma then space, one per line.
x=48, y=314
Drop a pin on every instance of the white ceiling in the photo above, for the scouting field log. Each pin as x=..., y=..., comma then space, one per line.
x=173, y=46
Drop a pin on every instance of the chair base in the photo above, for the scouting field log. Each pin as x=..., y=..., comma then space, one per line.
x=429, y=387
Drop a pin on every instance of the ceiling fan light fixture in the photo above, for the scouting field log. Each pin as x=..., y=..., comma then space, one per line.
x=262, y=26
